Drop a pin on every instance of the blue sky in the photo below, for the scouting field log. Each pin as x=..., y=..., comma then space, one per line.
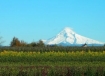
x=31, y=20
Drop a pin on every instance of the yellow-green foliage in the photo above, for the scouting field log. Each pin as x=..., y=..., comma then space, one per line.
x=78, y=63
x=81, y=56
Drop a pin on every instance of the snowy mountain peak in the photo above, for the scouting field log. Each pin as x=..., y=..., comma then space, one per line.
x=68, y=37
x=68, y=30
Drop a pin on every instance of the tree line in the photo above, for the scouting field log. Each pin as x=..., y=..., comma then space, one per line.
x=20, y=43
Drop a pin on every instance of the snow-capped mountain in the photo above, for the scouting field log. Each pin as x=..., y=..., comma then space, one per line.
x=68, y=37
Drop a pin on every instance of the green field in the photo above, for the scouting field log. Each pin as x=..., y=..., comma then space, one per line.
x=52, y=63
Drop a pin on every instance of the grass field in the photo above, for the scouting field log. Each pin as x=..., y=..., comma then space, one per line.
x=79, y=63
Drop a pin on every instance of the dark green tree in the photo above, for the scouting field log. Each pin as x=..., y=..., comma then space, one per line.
x=40, y=43
x=33, y=44
x=23, y=43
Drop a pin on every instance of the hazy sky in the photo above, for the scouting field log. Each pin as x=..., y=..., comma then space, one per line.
x=31, y=20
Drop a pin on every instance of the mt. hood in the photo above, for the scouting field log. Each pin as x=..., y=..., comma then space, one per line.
x=68, y=37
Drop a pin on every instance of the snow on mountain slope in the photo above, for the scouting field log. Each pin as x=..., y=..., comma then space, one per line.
x=68, y=36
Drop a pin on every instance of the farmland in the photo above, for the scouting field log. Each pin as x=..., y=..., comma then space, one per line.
x=52, y=61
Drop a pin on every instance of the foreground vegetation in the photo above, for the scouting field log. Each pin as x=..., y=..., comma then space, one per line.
x=33, y=57
x=52, y=63
x=51, y=71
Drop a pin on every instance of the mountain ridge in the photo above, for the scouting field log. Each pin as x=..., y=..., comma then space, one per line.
x=68, y=37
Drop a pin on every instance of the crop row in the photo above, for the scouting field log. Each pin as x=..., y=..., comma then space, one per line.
x=54, y=48
x=51, y=71
x=72, y=63
x=13, y=56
